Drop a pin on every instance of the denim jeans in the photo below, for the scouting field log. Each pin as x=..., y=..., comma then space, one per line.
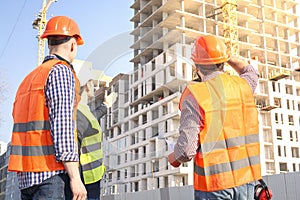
x=243, y=192
x=51, y=188
x=93, y=191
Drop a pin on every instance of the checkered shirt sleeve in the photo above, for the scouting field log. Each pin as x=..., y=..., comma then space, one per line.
x=60, y=97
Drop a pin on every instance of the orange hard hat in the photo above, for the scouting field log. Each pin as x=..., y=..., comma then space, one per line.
x=209, y=50
x=63, y=26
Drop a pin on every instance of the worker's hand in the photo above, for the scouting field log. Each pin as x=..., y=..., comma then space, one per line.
x=78, y=189
x=237, y=63
x=110, y=99
x=173, y=161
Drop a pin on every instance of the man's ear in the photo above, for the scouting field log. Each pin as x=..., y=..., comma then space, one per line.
x=73, y=45
x=199, y=73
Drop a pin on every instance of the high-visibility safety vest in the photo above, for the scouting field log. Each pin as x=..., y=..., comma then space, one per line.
x=229, y=152
x=32, y=148
x=91, y=154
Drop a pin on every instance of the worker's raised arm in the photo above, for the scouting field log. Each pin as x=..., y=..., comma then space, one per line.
x=237, y=64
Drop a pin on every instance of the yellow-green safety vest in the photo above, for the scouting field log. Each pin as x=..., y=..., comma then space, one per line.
x=91, y=154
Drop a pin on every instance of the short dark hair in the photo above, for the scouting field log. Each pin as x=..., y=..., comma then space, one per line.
x=56, y=40
x=207, y=69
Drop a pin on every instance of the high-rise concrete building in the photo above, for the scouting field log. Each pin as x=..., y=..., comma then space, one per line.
x=147, y=114
x=3, y=147
x=3, y=173
x=8, y=180
x=112, y=126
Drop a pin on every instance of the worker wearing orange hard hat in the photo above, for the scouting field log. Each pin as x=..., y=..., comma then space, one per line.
x=62, y=26
x=219, y=125
x=43, y=145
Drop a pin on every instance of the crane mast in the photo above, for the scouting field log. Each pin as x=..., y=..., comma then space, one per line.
x=228, y=9
x=40, y=23
x=230, y=28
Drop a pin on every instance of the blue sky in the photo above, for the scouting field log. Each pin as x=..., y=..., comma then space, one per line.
x=104, y=25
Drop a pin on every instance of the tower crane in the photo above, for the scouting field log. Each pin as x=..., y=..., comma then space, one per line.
x=230, y=33
x=40, y=23
x=230, y=28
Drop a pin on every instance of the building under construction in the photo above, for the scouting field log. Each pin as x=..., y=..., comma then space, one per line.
x=146, y=113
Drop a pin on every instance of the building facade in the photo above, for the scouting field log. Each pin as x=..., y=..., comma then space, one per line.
x=146, y=114
x=3, y=169
x=8, y=180
x=3, y=147
x=3, y=173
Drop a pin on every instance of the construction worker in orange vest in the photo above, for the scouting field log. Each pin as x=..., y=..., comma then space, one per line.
x=219, y=125
x=43, y=145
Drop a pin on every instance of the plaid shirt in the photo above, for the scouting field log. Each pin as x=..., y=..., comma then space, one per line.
x=60, y=97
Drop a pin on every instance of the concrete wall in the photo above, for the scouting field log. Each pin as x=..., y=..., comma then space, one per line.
x=185, y=192
x=284, y=186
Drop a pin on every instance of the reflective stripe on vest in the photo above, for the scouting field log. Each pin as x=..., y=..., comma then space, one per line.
x=32, y=147
x=91, y=152
x=31, y=126
x=33, y=150
x=229, y=150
